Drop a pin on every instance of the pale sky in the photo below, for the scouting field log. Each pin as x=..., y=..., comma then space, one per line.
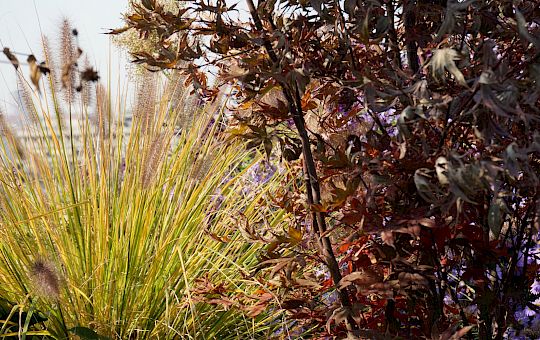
x=23, y=21
x=20, y=30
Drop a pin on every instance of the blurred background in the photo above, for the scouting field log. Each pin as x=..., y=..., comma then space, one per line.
x=23, y=23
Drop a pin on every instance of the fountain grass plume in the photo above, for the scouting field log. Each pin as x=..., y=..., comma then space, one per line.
x=68, y=54
x=145, y=100
x=153, y=157
x=103, y=110
x=11, y=139
x=45, y=279
x=26, y=103
x=50, y=60
x=87, y=88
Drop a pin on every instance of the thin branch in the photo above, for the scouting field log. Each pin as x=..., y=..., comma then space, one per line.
x=310, y=171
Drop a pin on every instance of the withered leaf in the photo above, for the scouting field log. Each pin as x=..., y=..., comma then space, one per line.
x=445, y=59
x=89, y=74
x=361, y=278
x=12, y=58
x=339, y=315
x=452, y=10
x=524, y=32
x=292, y=303
x=412, y=280
x=452, y=333
x=35, y=73
x=66, y=75
x=43, y=68
x=496, y=213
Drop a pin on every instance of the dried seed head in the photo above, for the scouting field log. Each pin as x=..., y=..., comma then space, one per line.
x=175, y=90
x=201, y=167
x=186, y=112
x=51, y=63
x=152, y=159
x=25, y=100
x=103, y=110
x=86, y=85
x=68, y=59
x=45, y=279
x=6, y=132
x=145, y=103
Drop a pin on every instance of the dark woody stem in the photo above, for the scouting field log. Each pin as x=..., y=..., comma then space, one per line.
x=311, y=179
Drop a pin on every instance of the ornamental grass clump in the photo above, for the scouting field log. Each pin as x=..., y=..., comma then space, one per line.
x=104, y=227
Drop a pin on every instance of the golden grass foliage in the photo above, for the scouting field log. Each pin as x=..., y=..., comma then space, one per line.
x=106, y=228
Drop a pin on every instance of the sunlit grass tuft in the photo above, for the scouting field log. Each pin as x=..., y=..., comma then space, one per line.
x=108, y=228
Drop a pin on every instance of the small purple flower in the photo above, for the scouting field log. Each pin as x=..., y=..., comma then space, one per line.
x=511, y=334
x=322, y=272
x=521, y=316
x=257, y=175
x=499, y=272
x=535, y=287
x=261, y=172
x=342, y=108
x=528, y=311
x=471, y=309
x=392, y=131
x=290, y=122
x=448, y=299
x=329, y=298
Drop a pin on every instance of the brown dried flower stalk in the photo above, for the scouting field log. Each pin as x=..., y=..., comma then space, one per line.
x=26, y=102
x=7, y=133
x=51, y=62
x=69, y=53
x=103, y=110
x=86, y=86
x=45, y=279
x=152, y=159
x=145, y=102
x=175, y=90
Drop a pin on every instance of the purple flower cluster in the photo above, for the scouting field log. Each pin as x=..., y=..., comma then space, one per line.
x=529, y=323
x=527, y=316
x=535, y=287
x=261, y=172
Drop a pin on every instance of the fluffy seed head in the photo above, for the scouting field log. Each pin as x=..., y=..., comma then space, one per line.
x=102, y=110
x=152, y=160
x=68, y=56
x=145, y=103
x=86, y=87
x=9, y=135
x=25, y=100
x=45, y=279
